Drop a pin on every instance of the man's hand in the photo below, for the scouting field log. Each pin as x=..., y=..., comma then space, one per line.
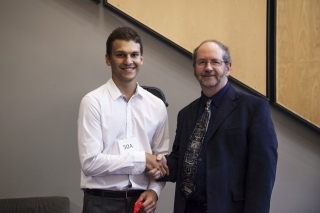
x=149, y=198
x=156, y=166
x=155, y=173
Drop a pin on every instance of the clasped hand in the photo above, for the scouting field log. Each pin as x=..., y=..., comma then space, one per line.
x=156, y=166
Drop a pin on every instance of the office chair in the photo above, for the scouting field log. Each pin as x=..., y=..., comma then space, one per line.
x=157, y=92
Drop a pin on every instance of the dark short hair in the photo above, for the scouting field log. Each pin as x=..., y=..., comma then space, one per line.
x=123, y=33
x=226, y=54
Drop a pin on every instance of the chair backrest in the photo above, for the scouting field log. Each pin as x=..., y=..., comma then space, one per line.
x=157, y=92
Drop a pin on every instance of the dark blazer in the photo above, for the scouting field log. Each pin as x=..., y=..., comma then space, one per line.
x=241, y=155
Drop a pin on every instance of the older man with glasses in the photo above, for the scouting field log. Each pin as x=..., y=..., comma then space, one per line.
x=224, y=155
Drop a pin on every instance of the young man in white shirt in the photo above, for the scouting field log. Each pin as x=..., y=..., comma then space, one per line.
x=121, y=127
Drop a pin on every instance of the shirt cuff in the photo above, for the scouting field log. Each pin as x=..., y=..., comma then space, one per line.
x=156, y=186
x=139, y=162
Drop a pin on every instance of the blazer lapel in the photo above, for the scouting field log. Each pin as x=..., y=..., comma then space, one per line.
x=226, y=107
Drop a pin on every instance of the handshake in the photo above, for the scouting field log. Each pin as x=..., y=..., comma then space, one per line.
x=156, y=166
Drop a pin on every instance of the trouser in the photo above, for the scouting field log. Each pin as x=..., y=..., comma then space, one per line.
x=102, y=203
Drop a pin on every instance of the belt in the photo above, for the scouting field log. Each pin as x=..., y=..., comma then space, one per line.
x=113, y=194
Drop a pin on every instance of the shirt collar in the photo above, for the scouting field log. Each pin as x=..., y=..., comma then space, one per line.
x=216, y=98
x=115, y=93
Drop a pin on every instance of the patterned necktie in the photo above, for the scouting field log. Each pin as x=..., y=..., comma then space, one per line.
x=194, y=146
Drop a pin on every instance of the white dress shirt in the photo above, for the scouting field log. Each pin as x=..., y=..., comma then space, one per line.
x=105, y=117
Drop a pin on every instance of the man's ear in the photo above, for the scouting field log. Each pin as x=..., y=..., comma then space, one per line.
x=107, y=60
x=228, y=67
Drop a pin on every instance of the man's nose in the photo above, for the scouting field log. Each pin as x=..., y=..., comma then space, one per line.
x=128, y=60
x=208, y=66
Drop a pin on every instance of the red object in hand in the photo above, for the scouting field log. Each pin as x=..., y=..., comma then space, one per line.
x=137, y=206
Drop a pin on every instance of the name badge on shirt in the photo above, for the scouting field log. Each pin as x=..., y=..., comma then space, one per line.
x=128, y=145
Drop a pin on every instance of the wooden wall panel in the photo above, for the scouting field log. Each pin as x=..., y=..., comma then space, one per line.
x=298, y=58
x=241, y=25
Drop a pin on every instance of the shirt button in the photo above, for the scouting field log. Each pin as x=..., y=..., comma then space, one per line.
x=200, y=159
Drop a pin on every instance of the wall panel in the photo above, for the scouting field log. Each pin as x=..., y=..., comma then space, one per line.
x=298, y=58
x=239, y=24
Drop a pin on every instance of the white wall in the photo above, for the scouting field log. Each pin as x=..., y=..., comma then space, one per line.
x=52, y=54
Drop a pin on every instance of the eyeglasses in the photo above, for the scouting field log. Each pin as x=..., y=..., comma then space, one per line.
x=213, y=63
